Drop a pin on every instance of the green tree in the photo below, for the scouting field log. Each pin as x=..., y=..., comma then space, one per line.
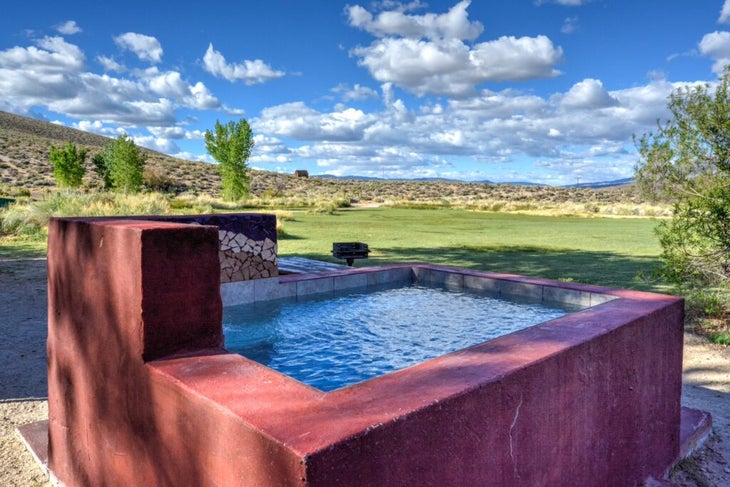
x=230, y=145
x=68, y=165
x=121, y=166
x=688, y=162
x=102, y=170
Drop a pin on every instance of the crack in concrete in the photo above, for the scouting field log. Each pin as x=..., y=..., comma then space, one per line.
x=511, y=427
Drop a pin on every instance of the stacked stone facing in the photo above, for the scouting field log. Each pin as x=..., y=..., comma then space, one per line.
x=244, y=258
x=248, y=247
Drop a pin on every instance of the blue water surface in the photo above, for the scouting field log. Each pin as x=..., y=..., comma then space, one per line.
x=332, y=342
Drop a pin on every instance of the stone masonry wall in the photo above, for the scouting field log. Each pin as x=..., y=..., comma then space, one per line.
x=244, y=258
x=248, y=244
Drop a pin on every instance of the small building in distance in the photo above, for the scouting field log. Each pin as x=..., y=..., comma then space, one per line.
x=301, y=173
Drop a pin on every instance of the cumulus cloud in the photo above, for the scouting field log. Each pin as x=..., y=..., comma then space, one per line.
x=97, y=127
x=588, y=94
x=146, y=48
x=450, y=67
x=561, y=132
x=271, y=150
x=109, y=64
x=53, y=54
x=250, y=72
x=34, y=76
x=52, y=74
x=159, y=144
x=176, y=132
x=717, y=46
x=725, y=13
x=426, y=54
x=454, y=24
x=68, y=28
x=296, y=120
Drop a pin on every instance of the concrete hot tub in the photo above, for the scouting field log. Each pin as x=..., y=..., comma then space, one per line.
x=142, y=392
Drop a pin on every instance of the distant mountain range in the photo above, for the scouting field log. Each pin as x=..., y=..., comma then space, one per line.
x=596, y=185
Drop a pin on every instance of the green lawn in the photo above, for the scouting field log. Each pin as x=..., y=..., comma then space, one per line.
x=607, y=251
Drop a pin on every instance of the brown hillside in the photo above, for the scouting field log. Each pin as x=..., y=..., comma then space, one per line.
x=25, y=144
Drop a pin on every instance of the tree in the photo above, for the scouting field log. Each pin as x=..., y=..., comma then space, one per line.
x=68, y=165
x=121, y=166
x=688, y=161
x=102, y=170
x=230, y=145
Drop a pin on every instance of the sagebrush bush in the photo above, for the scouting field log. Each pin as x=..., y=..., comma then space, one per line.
x=31, y=217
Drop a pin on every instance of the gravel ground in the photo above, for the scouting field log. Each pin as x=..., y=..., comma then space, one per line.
x=23, y=388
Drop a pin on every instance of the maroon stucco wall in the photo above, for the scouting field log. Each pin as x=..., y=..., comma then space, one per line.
x=141, y=391
x=600, y=412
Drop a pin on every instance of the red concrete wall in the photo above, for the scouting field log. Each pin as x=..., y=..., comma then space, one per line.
x=141, y=391
x=113, y=304
x=602, y=412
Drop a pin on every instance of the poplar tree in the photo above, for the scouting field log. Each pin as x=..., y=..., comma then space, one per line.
x=230, y=145
x=121, y=165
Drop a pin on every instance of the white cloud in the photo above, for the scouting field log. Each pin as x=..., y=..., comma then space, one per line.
x=454, y=24
x=504, y=105
x=717, y=46
x=159, y=144
x=354, y=93
x=109, y=64
x=189, y=156
x=271, y=150
x=426, y=54
x=296, y=120
x=53, y=54
x=175, y=132
x=450, y=67
x=97, y=127
x=250, y=72
x=588, y=94
x=561, y=132
x=52, y=76
x=68, y=28
x=170, y=84
x=570, y=25
x=146, y=48
x=34, y=76
x=567, y=3
x=725, y=13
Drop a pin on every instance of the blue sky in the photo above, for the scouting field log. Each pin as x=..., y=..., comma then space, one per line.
x=547, y=91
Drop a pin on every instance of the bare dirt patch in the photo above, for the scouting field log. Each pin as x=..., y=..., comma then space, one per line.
x=23, y=386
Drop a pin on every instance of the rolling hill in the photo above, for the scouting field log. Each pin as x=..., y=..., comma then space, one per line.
x=24, y=166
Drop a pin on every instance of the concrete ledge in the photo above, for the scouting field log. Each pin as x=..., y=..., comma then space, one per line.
x=694, y=430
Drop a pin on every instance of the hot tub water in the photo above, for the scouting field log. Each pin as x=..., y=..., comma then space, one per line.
x=329, y=343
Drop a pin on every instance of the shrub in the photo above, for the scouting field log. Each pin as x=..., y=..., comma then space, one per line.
x=68, y=165
x=156, y=180
x=31, y=218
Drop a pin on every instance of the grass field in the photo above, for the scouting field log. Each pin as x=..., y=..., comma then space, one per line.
x=617, y=252
x=607, y=251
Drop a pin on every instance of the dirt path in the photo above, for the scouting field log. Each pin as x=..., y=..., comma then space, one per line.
x=23, y=388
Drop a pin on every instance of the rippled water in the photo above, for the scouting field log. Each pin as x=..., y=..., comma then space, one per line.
x=330, y=343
